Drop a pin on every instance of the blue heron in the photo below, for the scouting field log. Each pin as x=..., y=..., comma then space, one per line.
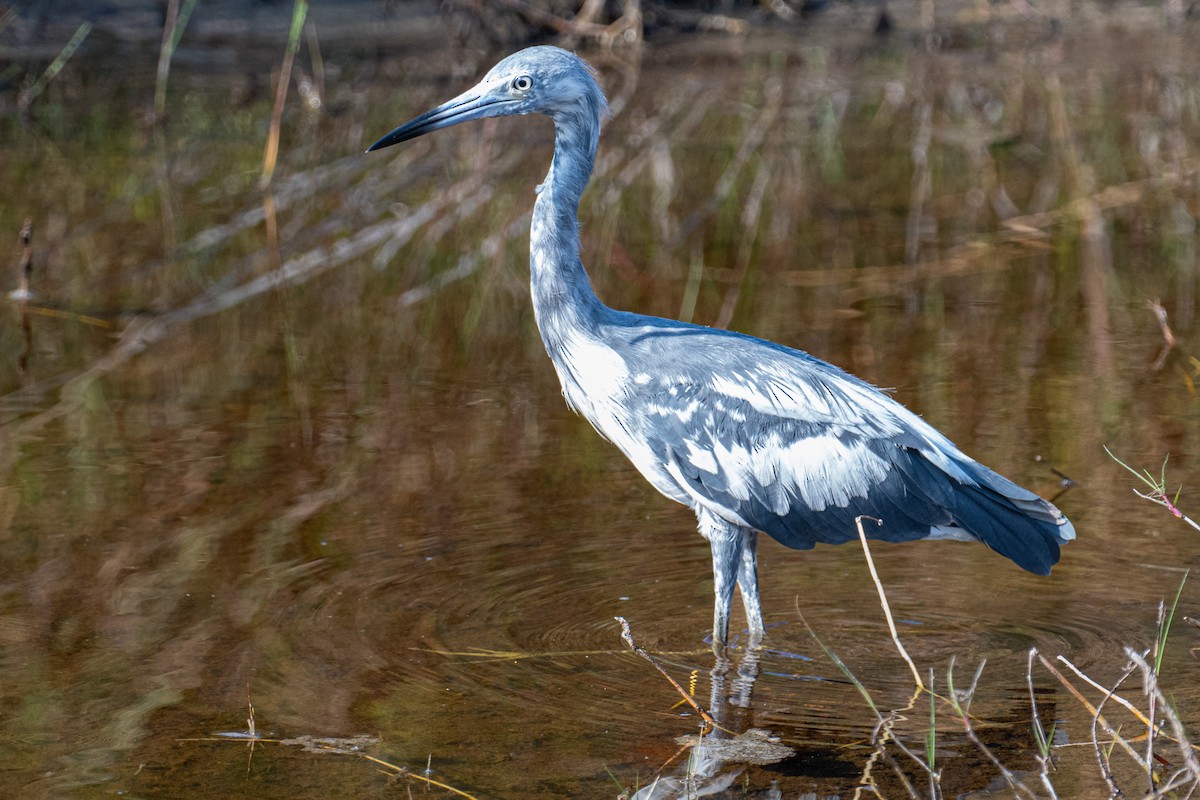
x=751, y=435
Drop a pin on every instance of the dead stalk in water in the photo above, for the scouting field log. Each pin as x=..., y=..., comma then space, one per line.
x=627, y=636
x=1169, y=340
x=1045, y=755
x=330, y=745
x=1150, y=682
x=883, y=601
x=961, y=703
x=25, y=264
x=1102, y=754
x=1128, y=706
x=1091, y=709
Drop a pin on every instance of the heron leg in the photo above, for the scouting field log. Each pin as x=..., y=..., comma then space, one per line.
x=734, y=554
x=748, y=584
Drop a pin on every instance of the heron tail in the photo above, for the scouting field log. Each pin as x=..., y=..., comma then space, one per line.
x=1011, y=520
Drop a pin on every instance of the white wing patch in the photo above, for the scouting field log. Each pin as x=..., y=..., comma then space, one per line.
x=733, y=435
x=828, y=471
x=702, y=458
x=776, y=389
x=820, y=471
x=764, y=392
x=593, y=377
x=595, y=382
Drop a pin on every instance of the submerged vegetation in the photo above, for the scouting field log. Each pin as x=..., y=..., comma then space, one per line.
x=275, y=413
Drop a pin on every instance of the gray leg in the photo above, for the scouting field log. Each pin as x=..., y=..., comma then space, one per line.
x=734, y=553
x=748, y=583
x=726, y=553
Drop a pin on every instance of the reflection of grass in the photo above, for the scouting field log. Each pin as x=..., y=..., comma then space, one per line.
x=271, y=151
x=332, y=745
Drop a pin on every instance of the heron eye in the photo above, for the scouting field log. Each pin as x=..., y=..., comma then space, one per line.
x=522, y=83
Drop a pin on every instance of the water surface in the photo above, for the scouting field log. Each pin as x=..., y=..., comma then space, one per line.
x=331, y=473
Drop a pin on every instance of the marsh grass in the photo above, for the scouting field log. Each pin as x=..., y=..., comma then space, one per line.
x=33, y=89
x=1167, y=764
x=1158, y=717
x=173, y=29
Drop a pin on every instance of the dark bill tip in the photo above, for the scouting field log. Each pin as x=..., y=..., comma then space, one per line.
x=395, y=137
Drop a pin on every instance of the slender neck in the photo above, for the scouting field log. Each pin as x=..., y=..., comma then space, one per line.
x=563, y=300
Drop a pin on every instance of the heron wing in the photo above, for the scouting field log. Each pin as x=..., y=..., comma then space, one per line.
x=777, y=440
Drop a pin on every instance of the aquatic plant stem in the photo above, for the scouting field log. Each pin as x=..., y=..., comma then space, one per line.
x=399, y=771
x=31, y=93
x=627, y=636
x=1102, y=755
x=962, y=706
x=1044, y=742
x=173, y=28
x=1150, y=682
x=271, y=153
x=1093, y=710
x=883, y=601
x=1158, y=489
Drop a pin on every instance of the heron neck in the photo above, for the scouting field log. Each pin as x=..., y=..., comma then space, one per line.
x=563, y=299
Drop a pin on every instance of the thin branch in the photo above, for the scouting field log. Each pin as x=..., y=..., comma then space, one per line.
x=1151, y=684
x=627, y=635
x=883, y=601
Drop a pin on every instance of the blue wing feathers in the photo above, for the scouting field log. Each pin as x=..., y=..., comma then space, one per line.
x=802, y=449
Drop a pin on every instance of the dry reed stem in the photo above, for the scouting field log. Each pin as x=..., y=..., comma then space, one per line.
x=1150, y=682
x=1102, y=759
x=271, y=152
x=482, y=655
x=961, y=703
x=1130, y=707
x=883, y=601
x=1010, y=778
x=627, y=636
x=883, y=733
x=1108, y=729
x=401, y=772
x=1169, y=340
x=897, y=714
x=312, y=744
x=1045, y=756
x=25, y=264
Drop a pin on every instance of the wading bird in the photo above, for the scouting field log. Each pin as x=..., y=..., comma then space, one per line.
x=751, y=435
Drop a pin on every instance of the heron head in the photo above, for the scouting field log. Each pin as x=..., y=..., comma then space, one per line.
x=543, y=80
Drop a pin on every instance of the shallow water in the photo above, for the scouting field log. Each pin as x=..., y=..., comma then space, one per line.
x=354, y=497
